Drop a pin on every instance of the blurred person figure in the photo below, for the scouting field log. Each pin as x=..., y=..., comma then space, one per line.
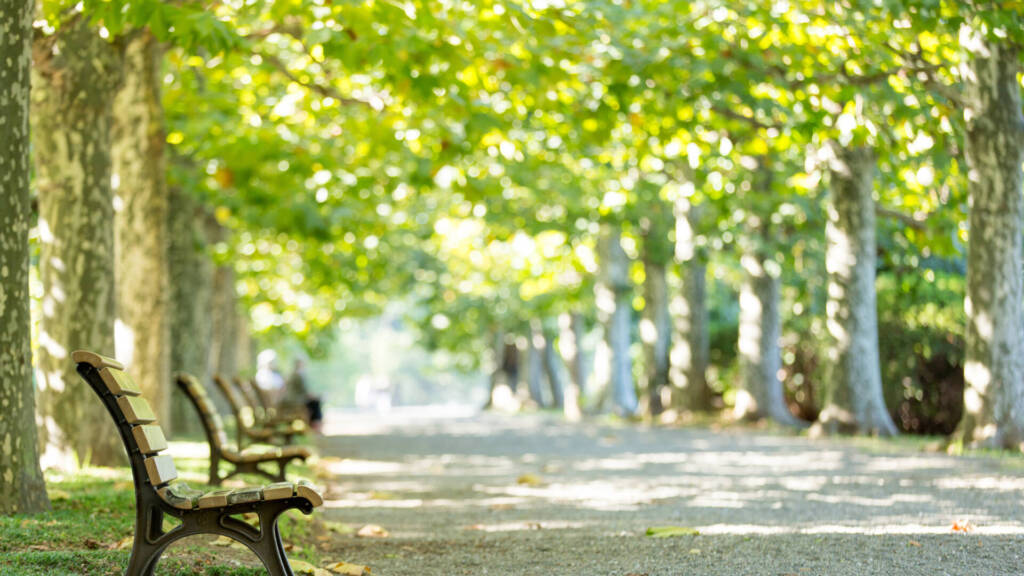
x=268, y=378
x=298, y=399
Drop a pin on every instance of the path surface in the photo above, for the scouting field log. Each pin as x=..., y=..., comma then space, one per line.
x=452, y=494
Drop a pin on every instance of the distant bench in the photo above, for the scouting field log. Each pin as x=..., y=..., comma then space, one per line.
x=248, y=427
x=249, y=460
x=156, y=494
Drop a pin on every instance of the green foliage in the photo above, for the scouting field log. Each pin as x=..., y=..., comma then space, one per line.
x=462, y=157
x=189, y=24
x=921, y=341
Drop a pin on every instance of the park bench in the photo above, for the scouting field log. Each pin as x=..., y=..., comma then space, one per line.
x=246, y=429
x=248, y=460
x=158, y=495
x=265, y=414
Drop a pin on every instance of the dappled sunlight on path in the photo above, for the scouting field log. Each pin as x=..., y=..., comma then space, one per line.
x=582, y=496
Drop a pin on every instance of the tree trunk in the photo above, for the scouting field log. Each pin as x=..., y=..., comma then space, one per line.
x=615, y=299
x=535, y=367
x=572, y=353
x=994, y=362
x=657, y=333
x=224, y=339
x=853, y=391
x=22, y=489
x=75, y=78
x=191, y=295
x=510, y=365
x=553, y=367
x=497, y=370
x=689, y=313
x=761, y=395
x=140, y=232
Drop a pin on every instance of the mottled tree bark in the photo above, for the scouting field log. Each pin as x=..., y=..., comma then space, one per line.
x=22, y=489
x=994, y=363
x=761, y=394
x=689, y=313
x=571, y=348
x=140, y=233
x=75, y=78
x=245, y=354
x=535, y=367
x=553, y=367
x=224, y=338
x=657, y=333
x=497, y=370
x=853, y=390
x=614, y=296
x=191, y=293
x=578, y=358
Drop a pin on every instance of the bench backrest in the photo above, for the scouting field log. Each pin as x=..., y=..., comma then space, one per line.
x=212, y=424
x=142, y=437
x=243, y=413
x=251, y=393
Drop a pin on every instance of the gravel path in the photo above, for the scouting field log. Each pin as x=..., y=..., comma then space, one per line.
x=530, y=495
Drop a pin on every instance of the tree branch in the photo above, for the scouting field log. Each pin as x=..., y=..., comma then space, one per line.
x=730, y=113
x=914, y=63
x=909, y=220
x=324, y=90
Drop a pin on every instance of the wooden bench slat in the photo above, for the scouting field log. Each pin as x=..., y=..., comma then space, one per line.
x=215, y=499
x=306, y=490
x=136, y=410
x=119, y=383
x=95, y=360
x=207, y=411
x=160, y=469
x=245, y=495
x=180, y=496
x=279, y=491
x=150, y=438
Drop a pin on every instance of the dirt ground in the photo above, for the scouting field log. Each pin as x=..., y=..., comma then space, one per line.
x=475, y=494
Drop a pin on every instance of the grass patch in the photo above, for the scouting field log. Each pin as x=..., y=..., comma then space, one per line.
x=90, y=526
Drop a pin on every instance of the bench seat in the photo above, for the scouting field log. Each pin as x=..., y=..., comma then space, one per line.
x=182, y=497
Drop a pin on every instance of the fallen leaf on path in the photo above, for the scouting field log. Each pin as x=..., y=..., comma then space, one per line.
x=671, y=531
x=382, y=495
x=307, y=569
x=962, y=526
x=123, y=544
x=694, y=550
x=914, y=543
x=91, y=544
x=372, y=531
x=530, y=480
x=349, y=569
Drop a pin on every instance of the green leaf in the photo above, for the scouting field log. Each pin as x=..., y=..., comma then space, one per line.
x=671, y=531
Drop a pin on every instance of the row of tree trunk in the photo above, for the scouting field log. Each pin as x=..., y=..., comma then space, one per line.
x=122, y=258
x=675, y=336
